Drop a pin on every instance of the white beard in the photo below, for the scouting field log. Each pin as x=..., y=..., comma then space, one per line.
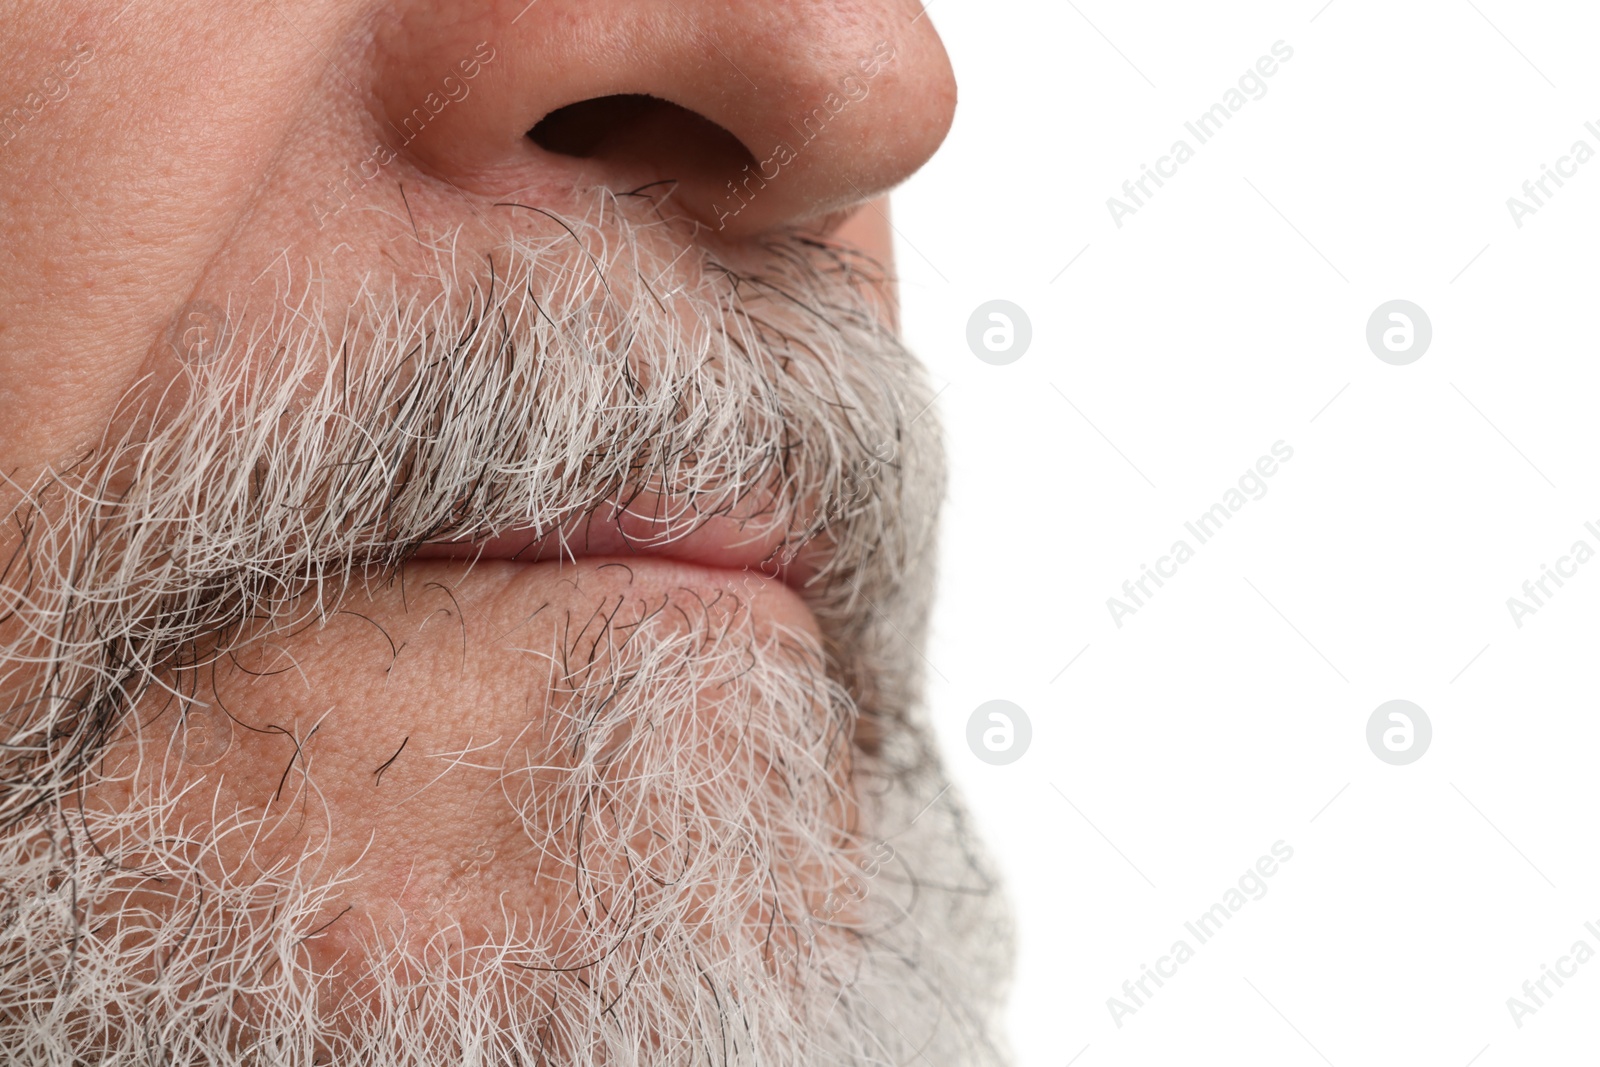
x=750, y=886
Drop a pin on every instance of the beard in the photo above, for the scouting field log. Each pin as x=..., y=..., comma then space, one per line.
x=735, y=845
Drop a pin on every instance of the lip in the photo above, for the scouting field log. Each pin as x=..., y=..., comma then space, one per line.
x=720, y=542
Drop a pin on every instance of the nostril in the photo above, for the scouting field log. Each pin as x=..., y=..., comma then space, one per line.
x=581, y=129
x=635, y=128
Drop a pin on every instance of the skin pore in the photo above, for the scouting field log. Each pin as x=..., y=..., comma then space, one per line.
x=465, y=586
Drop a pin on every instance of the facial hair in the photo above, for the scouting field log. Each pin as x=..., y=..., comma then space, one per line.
x=758, y=879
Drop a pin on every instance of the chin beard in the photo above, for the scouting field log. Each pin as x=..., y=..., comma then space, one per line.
x=740, y=813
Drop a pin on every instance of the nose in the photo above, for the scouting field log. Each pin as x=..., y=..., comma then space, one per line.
x=752, y=114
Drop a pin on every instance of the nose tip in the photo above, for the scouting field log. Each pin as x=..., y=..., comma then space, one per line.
x=764, y=114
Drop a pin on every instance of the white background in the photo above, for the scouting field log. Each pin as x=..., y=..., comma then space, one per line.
x=1230, y=712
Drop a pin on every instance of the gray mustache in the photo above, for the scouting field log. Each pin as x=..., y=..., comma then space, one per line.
x=320, y=450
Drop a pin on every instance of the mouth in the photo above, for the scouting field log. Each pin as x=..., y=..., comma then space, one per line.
x=759, y=547
x=750, y=568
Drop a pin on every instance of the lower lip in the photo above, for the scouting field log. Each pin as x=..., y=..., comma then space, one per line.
x=724, y=548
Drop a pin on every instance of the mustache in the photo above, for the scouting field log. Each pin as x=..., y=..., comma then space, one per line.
x=563, y=379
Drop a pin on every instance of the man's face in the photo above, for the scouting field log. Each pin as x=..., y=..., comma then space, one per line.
x=469, y=532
